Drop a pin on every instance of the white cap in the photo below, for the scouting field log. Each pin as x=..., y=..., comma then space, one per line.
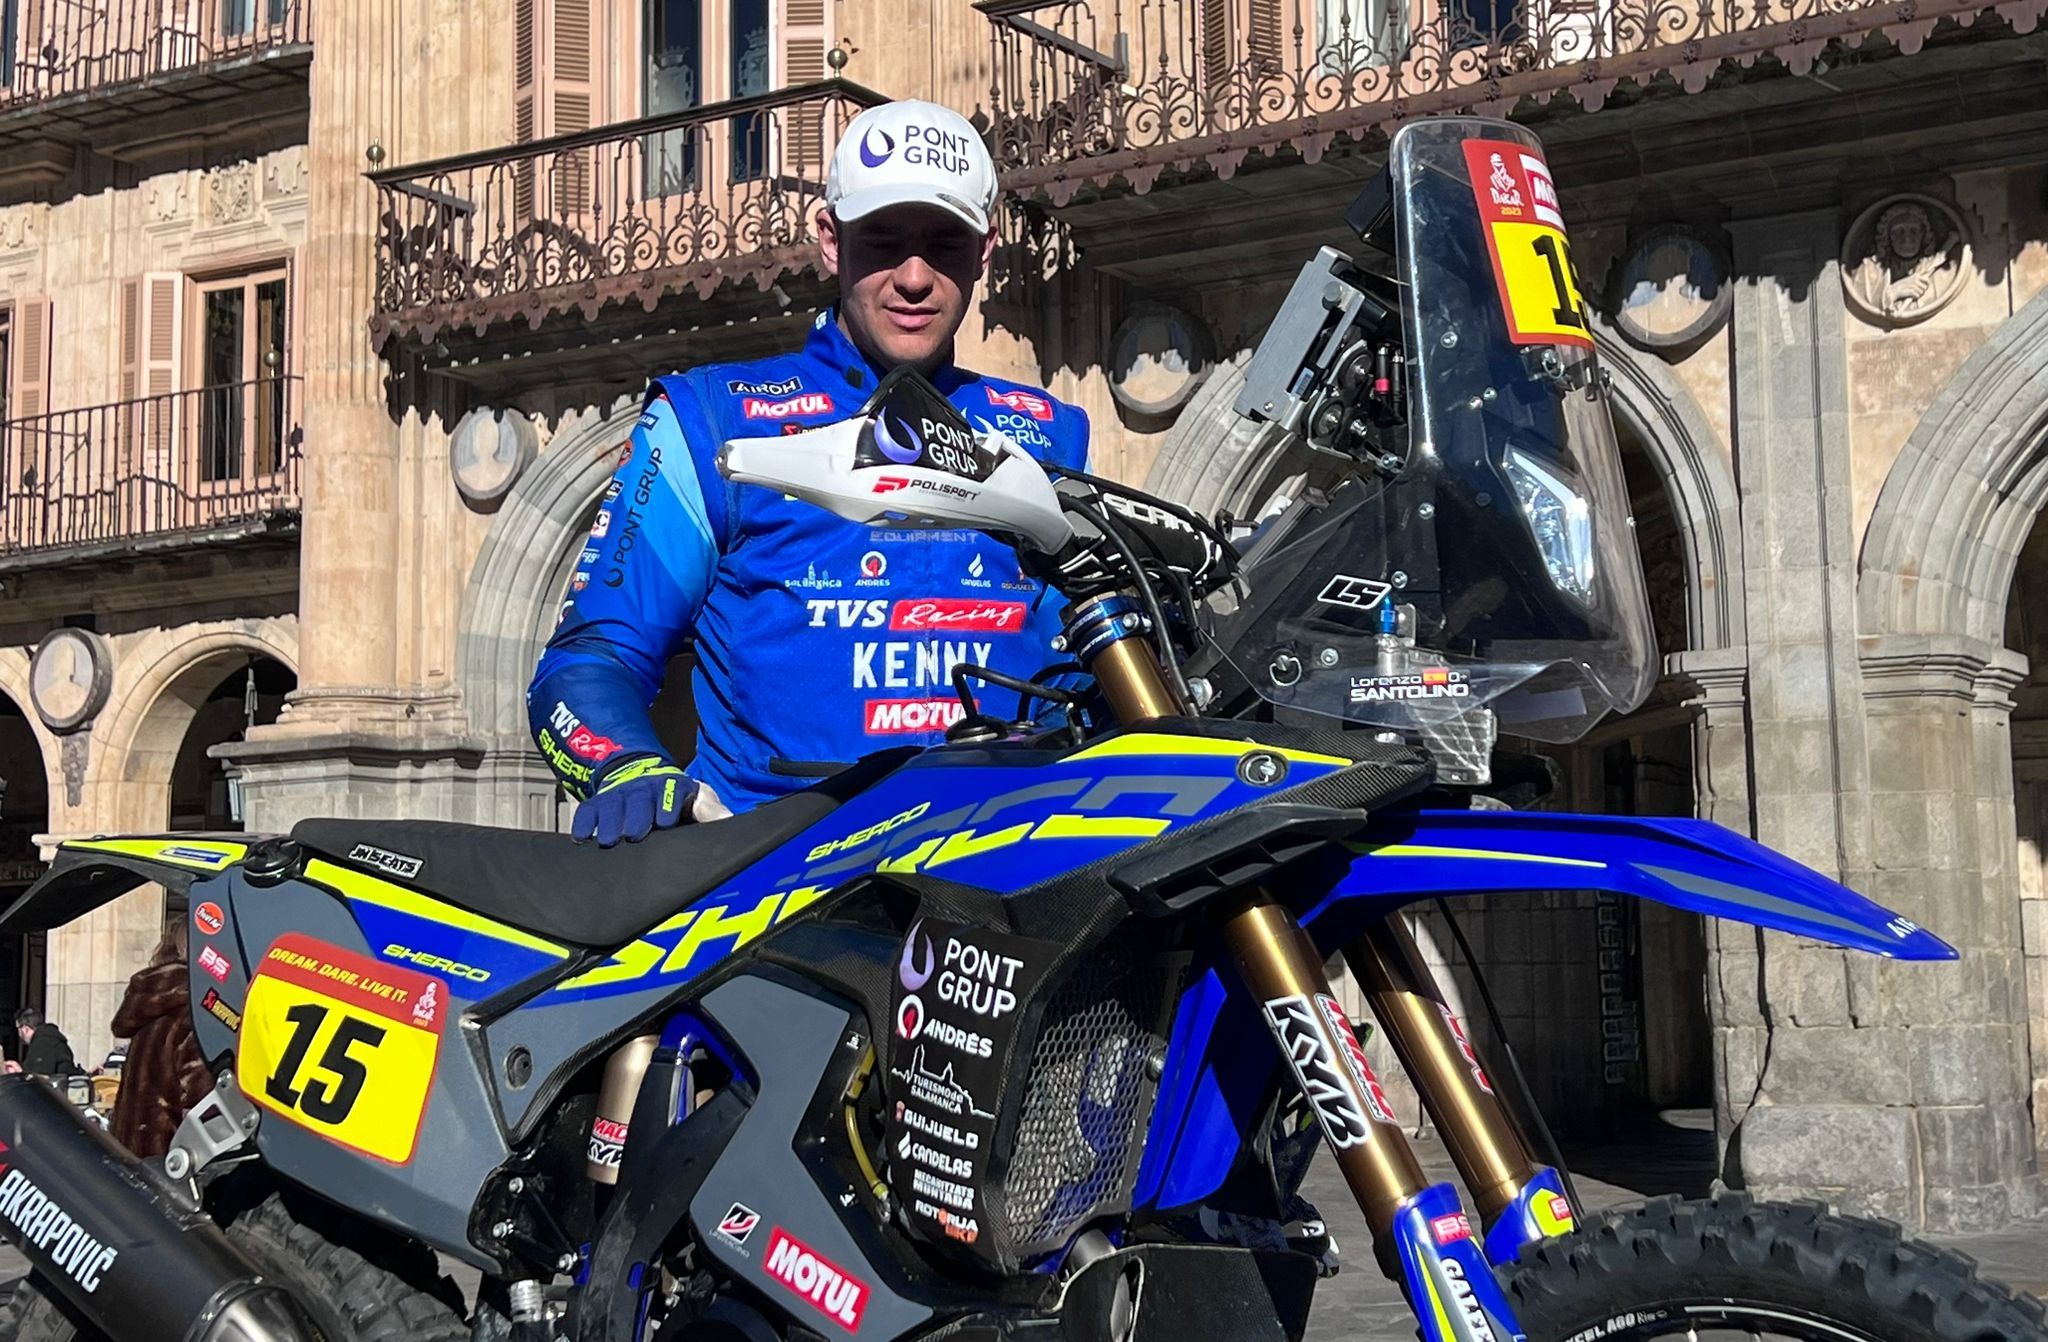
x=912, y=153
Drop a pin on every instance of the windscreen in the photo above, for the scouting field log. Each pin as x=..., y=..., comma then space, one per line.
x=1497, y=567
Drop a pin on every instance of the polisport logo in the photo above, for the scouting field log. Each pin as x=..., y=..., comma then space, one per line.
x=810, y=403
x=207, y=918
x=214, y=963
x=889, y=484
x=953, y=614
x=1450, y=1229
x=893, y=717
x=841, y=1298
x=1021, y=401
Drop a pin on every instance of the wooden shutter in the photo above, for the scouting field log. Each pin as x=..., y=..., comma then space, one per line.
x=131, y=339
x=806, y=37
x=161, y=331
x=571, y=95
x=1241, y=34
x=526, y=94
x=31, y=394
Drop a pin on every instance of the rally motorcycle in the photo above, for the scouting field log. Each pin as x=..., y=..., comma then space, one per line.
x=993, y=1039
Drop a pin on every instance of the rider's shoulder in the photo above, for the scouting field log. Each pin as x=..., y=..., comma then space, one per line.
x=719, y=387
x=1033, y=417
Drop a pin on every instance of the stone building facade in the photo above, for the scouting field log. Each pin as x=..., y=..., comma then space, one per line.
x=1815, y=246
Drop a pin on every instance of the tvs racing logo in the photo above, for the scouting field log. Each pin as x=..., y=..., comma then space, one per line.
x=839, y=1297
x=810, y=403
x=67, y=1245
x=995, y=617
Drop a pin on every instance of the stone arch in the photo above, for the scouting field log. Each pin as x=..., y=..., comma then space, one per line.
x=14, y=684
x=1956, y=507
x=1211, y=459
x=159, y=683
x=516, y=585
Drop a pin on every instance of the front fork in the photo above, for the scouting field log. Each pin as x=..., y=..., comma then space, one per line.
x=1420, y=1232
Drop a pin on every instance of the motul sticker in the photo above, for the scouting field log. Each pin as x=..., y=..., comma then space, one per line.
x=951, y=614
x=810, y=403
x=817, y=1279
x=892, y=717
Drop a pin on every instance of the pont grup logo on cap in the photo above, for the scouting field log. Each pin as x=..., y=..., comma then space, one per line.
x=919, y=145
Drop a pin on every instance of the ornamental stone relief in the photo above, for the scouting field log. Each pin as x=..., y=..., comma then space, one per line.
x=21, y=227
x=1905, y=259
x=164, y=197
x=284, y=174
x=230, y=193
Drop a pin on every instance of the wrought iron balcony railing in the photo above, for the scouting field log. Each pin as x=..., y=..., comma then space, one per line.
x=51, y=48
x=1086, y=90
x=643, y=209
x=152, y=468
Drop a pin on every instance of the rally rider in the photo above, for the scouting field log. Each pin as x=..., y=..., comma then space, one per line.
x=818, y=640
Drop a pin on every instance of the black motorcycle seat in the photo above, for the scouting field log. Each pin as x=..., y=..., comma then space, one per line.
x=578, y=893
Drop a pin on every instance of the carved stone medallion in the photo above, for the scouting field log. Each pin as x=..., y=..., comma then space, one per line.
x=1905, y=259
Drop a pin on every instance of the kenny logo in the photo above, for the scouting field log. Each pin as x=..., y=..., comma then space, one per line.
x=398, y=864
x=48, y=1229
x=1328, y=1090
x=831, y=1292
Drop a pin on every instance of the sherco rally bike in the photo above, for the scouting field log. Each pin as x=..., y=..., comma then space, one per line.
x=971, y=1042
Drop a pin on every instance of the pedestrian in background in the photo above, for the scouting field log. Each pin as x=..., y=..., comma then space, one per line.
x=44, y=1049
x=164, y=1075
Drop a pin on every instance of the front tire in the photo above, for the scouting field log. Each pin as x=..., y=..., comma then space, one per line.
x=351, y=1297
x=1682, y=1269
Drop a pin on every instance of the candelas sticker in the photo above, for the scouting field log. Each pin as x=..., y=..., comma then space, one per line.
x=342, y=1044
x=1518, y=211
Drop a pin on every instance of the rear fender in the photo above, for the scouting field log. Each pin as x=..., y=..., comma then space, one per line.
x=1688, y=864
x=88, y=873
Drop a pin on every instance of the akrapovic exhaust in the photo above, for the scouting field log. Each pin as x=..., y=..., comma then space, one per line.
x=109, y=1234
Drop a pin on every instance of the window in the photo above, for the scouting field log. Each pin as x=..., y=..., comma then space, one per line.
x=240, y=363
x=240, y=18
x=10, y=32
x=697, y=54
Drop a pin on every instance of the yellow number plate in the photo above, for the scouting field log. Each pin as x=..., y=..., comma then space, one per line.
x=1532, y=264
x=342, y=1044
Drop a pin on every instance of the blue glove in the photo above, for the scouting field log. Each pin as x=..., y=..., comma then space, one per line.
x=635, y=796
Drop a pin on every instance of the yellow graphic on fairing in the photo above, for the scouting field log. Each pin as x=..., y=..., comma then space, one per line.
x=1474, y=854
x=194, y=854
x=359, y=888
x=1163, y=743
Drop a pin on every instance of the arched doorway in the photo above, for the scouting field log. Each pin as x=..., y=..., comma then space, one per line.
x=202, y=796
x=2026, y=632
x=1604, y=1000
x=24, y=813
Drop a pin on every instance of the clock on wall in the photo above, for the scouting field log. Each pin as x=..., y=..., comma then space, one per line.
x=69, y=678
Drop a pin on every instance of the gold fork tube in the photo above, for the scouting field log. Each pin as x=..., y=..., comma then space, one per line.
x=1285, y=976
x=1482, y=1140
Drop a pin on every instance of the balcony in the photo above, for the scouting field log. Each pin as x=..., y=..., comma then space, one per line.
x=1089, y=90
x=545, y=248
x=190, y=468
x=129, y=77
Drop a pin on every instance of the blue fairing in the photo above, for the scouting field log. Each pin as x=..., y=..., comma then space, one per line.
x=1688, y=864
x=1208, y=1097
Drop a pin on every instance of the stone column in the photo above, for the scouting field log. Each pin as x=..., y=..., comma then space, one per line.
x=376, y=726
x=1809, y=1087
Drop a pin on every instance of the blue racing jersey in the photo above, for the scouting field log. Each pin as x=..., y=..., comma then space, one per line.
x=818, y=640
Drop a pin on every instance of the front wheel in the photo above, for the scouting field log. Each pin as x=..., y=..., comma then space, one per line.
x=1734, y=1268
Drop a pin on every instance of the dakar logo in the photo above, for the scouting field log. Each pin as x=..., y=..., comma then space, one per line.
x=1502, y=183
x=867, y=149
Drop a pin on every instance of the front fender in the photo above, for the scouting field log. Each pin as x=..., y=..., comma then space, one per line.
x=1688, y=864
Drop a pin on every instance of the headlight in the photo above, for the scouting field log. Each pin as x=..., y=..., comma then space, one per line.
x=1560, y=520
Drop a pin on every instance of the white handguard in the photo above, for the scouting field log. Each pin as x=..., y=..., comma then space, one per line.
x=868, y=469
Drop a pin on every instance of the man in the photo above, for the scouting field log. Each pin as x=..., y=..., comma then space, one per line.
x=44, y=1049
x=818, y=640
